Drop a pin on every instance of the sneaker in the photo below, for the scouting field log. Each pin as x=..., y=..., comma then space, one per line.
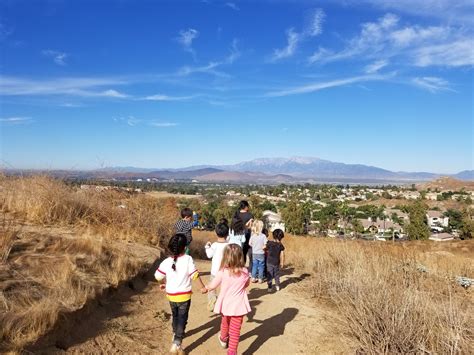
x=253, y=280
x=174, y=348
x=211, y=304
x=223, y=343
x=260, y=281
x=277, y=288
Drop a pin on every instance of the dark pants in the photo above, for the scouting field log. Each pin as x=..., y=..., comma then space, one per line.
x=180, y=312
x=273, y=272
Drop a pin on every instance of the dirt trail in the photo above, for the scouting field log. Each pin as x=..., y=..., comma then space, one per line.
x=136, y=320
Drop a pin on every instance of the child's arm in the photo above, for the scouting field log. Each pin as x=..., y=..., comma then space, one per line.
x=203, y=287
x=215, y=282
x=209, y=250
x=160, y=277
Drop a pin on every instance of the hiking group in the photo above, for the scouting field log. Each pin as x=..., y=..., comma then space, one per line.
x=245, y=239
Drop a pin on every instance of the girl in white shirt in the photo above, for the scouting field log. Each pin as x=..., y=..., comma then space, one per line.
x=178, y=270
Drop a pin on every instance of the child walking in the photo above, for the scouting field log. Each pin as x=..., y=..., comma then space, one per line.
x=257, y=243
x=185, y=226
x=275, y=259
x=237, y=231
x=215, y=251
x=178, y=270
x=233, y=302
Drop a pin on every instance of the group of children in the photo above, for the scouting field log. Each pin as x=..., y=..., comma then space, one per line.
x=228, y=272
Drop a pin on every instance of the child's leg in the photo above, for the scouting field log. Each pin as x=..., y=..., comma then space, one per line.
x=225, y=328
x=234, y=334
x=277, y=275
x=254, y=268
x=174, y=312
x=270, y=275
x=181, y=321
x=261, y=266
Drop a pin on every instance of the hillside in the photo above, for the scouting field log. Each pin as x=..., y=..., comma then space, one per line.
x=447, y=183
x=71, y=265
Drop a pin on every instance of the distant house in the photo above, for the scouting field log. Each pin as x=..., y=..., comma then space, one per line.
x=380, y=226
x=272, y=221
x=436, y=220
x=402, y=215
x=433, y=196
x=411, y=195
x=441, y=237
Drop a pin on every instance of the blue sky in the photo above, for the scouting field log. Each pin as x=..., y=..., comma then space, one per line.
x=88, y=84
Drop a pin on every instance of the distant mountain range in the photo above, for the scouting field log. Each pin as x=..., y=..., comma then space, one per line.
x=281, y=170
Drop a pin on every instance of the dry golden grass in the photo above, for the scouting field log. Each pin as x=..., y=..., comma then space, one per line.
x=388, y=298
x=392, y=298
x=57, y=262
x=46, y=201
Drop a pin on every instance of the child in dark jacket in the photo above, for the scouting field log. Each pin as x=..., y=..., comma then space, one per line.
x=275, y=259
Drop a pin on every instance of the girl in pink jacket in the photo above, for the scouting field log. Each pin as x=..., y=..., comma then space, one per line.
x=232, y=303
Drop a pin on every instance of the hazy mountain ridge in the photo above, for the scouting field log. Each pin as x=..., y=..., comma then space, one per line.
x=272, y=170
x=297, y=169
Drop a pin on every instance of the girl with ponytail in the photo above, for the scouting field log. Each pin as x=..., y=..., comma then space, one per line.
x=178, y=270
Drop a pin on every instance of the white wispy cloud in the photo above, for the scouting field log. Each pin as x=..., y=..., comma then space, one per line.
x=163, y=124
x=312, y=87
x=15, y=120
x=417, y=45
x=129, y=120
x=161, y=97
x=232, y=5
x=186, y=38
x=205, y=69
x=314, y=27
x=292, y=38
x=315, y=23
x=432, y=84
x=132, y=121
x=211, y=67
x=452, y=54
x=58, y=57
x=459, y=11
x=375, y=66
x=111, y=93
x=83, y=87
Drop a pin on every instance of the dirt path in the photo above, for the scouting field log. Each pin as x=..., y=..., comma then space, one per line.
x=136, y=320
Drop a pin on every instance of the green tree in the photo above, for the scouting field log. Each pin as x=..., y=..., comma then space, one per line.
x=358, y=227
x=418, y=228
x=455, y=218
x=467, y=227
x=294, y=216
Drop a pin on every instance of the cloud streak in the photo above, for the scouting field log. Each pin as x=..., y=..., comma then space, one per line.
x=161, y=97
x=232, y=6
x=132, y=121
x=317, y=86
x=15, y=120
x=186, y=38
x=58, y=57
x=211, y=67
x=313, y=28
x=416, y=45
x=82, y=87
x=432, y=84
